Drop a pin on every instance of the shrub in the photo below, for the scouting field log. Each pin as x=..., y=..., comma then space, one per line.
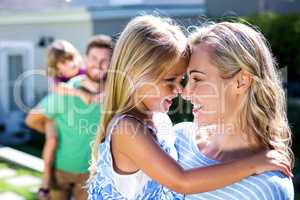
x=283, y=34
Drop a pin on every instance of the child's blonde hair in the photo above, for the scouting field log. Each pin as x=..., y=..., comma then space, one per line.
x=236, y=47
x=59, y=52
x=147, y=48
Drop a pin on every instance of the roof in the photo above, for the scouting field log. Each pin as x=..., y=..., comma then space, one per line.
x=67, y=13
x=39, y=5
x=21, y=5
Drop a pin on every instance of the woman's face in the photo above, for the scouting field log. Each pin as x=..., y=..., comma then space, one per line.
x=213, y=97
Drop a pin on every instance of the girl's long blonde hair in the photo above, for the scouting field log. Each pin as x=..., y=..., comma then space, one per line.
x=236, y=46
x=147, y=48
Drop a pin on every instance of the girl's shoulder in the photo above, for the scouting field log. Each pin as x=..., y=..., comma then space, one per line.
x=124, y=122
x=131, y=126
x=161, y=123
x=126, y=125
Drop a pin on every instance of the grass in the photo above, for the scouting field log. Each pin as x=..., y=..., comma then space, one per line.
x=25, y=192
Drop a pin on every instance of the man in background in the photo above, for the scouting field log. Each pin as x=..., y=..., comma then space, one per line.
x=76, y=122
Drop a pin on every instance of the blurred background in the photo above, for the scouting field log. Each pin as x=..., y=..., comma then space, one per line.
x=27, y=27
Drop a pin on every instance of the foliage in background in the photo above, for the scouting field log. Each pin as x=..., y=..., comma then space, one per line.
x=283, y=34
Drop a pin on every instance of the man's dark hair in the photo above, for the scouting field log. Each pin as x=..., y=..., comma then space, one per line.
x=99, y=41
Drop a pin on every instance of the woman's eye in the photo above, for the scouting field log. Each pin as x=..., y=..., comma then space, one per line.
x=196, y=79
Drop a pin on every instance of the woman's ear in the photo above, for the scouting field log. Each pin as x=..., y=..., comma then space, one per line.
x=244, y=80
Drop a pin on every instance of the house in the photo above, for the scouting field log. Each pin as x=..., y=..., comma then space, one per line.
x=248, y=7
x=27, y=27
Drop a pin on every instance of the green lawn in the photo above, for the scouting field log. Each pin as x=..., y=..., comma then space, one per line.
x=25, y=192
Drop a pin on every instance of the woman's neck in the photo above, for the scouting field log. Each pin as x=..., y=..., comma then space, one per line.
x=224, y=144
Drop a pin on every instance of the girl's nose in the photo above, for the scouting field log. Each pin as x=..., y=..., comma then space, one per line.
x=178, y=89
x=186, y=93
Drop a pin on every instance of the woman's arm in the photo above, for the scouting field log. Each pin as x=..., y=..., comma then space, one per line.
x=137, y=144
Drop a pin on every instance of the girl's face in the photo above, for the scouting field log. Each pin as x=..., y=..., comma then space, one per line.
x=67, y=68
x=213, y=98
x=158, y=96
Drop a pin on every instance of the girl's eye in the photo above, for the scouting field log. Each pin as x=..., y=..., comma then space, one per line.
x=170, y=80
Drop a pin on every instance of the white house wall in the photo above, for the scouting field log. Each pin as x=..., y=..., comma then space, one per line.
x=76, y=32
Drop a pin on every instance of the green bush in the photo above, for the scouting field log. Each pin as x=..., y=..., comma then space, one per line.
x=294, y=120
x=181, y=111
x=283, y=34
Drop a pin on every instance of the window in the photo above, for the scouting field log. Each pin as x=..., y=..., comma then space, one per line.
x=15, y=64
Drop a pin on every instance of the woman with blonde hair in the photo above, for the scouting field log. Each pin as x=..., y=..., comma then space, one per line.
x=238, y=107
x=130, y=156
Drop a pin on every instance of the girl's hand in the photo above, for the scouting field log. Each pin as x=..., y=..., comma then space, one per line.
x=90, y=86
x=272, y=160
x=99, y=98
x=85, y=96
x=59, y=88
x=64, y=89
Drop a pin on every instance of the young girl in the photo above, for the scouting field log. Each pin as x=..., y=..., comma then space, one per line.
x=63, y=63
x=130, y=158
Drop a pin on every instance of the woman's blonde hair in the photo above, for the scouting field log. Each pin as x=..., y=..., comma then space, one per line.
x=59, y=52
x=146, y=49
x=236, y=47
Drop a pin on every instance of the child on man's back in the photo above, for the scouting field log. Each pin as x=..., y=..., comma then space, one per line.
x=63, y=63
